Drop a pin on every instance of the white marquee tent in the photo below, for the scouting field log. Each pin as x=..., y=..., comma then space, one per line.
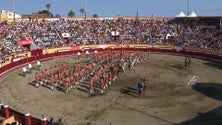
x=181, y=14
x=193, y=14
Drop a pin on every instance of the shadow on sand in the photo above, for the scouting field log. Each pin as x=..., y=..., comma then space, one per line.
x=213, y=117
x=212, y=90
x=213, y=64
x=130, y=91
x=177, y=66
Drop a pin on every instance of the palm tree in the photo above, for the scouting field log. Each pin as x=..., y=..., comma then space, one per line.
x=95, y=16
x=71, y=14
x=82, y=11
x=48, y=6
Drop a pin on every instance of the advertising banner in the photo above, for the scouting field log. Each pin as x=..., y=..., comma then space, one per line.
x=25, y=42
x=75, y=48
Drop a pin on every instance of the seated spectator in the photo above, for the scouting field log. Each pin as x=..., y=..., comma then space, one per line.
x=51, y=122
x=59, y=122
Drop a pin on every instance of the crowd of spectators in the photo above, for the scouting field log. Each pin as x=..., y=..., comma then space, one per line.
x=49, y=33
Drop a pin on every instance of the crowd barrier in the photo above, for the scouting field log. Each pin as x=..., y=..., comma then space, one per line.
x=24, y=119
x=69, y=51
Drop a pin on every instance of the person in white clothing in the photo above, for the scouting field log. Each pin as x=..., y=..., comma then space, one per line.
x=38, y=64
x=24, y=70
x=78, y=54
x=30, y=67
x=95, y=51
x=87, y=53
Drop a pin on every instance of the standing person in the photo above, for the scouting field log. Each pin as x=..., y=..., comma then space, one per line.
x=140, y=86
x=78, y=54
x=145, y=86
x=92, y=81
x=148, y=54
x=189, y=61
x=87, y=53
x=38, y=64
x=186, y=62
x=36, y=80
x=111, y=68
x=30, y=68
x=52, y=81
x=24, y=70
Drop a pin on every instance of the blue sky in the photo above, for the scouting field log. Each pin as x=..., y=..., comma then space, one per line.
x=110, y=8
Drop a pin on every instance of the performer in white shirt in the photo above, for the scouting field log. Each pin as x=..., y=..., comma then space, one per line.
x=30, y=67
x=78, y=54
x=24, y=70
x=38, y=64
x=87, y=53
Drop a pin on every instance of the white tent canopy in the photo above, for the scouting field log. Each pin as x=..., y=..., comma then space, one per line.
x=33, y=46
x=181, y=14
x=193, y=14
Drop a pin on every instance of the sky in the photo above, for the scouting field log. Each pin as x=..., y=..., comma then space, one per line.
x=112, y=8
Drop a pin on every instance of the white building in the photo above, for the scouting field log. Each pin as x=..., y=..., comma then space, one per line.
x=7, y=15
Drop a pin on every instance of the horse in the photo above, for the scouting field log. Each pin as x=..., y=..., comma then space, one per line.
x=132, y=64
x=123, y=67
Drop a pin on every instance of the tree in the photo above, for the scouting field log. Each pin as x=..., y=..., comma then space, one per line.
x=95, y=16
x=82, y=11
x=46, y=12
x=57, y=16
x=48, y=6
x=71, y=14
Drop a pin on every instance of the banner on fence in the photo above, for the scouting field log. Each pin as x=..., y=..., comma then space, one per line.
x=25, y=42
x=75, y=48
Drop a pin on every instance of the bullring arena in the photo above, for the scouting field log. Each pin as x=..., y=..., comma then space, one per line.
x=90, y=69
x=169, y=99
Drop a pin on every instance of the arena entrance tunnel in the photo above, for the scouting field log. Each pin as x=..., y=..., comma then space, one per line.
x=49, y=54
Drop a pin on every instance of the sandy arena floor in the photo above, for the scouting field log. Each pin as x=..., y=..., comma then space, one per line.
x=169, y=100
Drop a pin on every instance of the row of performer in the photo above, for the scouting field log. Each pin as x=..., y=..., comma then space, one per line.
x=62, y=76
x=97, y=76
